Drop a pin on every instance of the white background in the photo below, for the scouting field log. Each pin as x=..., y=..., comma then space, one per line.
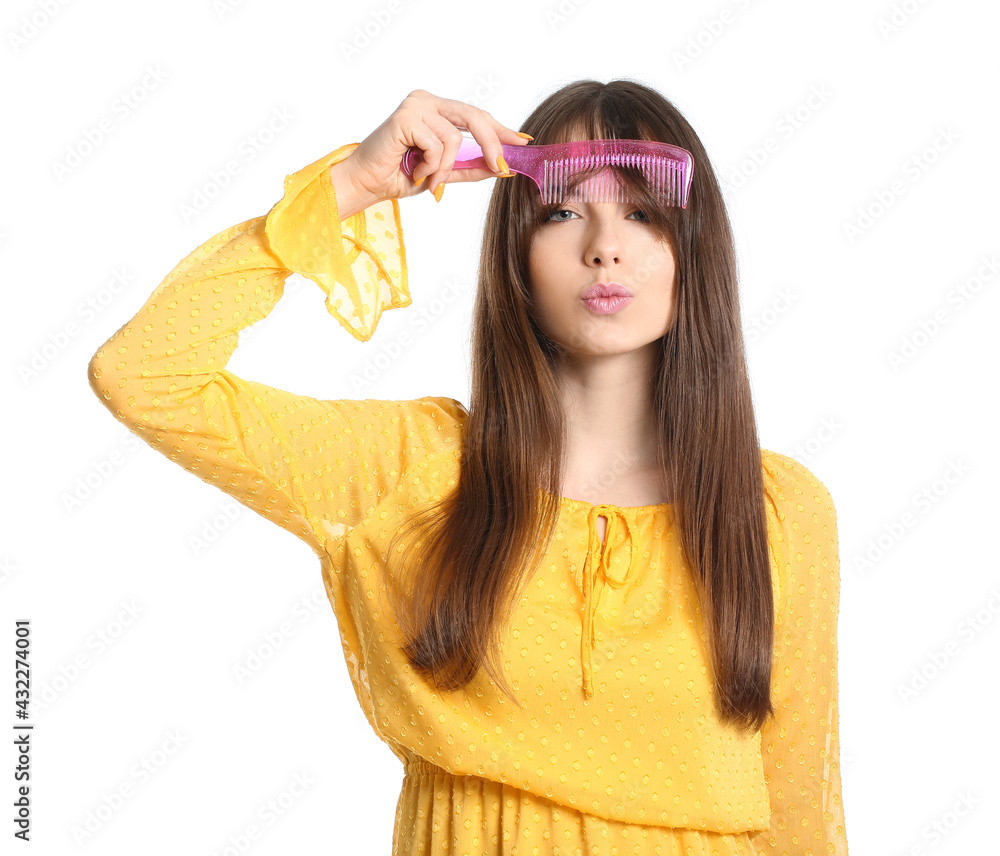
x=871, y=88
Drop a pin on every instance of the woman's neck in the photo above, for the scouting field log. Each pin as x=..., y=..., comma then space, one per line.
x=611, y=436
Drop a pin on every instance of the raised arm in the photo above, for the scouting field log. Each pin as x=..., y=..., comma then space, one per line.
x=289, y=457
x=316, y=468
x=801, y=745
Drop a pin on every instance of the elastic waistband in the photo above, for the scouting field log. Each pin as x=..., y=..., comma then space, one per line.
x=420, y=767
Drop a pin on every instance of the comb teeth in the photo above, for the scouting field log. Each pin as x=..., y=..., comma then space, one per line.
x=665, y=176
x=667, y=168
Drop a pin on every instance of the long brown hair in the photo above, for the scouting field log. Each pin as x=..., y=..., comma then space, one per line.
x=480, y=543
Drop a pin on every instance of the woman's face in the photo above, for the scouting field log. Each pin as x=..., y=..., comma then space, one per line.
x=586, y=243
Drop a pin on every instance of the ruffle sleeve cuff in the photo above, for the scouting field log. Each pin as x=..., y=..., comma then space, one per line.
x=360, y=262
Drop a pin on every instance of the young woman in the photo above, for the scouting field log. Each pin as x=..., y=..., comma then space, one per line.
x=589, y=614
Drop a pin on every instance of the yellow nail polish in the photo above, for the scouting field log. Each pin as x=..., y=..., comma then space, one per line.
x=439, y=191
x=525, y=136
x=503, y=165
x=417, y=184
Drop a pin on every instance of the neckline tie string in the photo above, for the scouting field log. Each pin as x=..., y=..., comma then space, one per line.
x=611, y=566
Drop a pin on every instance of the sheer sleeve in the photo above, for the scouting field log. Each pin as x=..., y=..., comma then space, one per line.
x=800, y=746
x=313, y=467
x=360, y=264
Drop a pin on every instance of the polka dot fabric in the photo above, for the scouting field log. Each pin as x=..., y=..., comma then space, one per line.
x=304, y=231
x=616, y=747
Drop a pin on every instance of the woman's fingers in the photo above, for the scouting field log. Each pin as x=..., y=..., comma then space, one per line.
x=427, y=139
x=441, y=158
x=434, y=125
x=484, y=131
x=488, y=133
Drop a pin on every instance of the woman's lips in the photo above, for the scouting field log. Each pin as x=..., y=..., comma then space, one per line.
x=606, y=298
x=606, y=289
x=607, y=305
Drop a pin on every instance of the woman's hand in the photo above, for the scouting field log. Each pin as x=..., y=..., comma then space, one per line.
x=371, y=173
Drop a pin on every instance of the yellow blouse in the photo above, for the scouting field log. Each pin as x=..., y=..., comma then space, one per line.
x=617, y=748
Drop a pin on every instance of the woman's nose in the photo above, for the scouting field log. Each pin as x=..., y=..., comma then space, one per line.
x=604, y=243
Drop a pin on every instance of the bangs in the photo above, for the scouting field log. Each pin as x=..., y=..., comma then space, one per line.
x=594, y=111
x=630, y=184
x=624, y=184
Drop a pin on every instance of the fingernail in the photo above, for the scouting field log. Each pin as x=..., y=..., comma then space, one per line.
x=439, y=191
x=525, y=136
x=417, y=184
x=503, y=165
x=505, y=175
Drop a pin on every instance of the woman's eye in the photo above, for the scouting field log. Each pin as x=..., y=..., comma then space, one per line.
x=556, y=219
x=556, y=216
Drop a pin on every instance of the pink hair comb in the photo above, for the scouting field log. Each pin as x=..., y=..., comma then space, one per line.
x=668, y=169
